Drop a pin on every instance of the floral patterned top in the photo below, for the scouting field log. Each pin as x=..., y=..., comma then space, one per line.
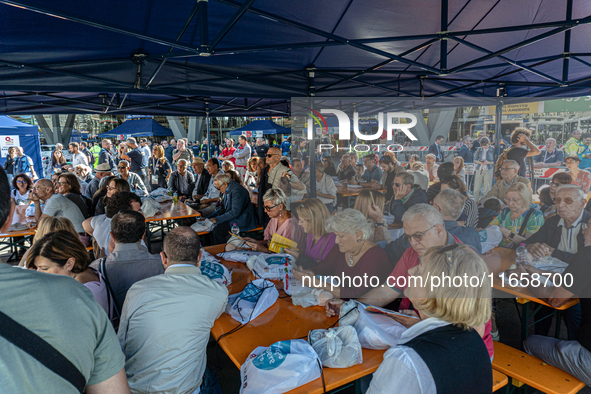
x=535, y=221
x=583, y=180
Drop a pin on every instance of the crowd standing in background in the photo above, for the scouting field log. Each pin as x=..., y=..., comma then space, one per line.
x=145, y=323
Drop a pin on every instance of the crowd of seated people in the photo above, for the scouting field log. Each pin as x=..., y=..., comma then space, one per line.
x=152, y=292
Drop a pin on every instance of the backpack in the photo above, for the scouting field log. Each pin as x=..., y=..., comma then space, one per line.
x=500, y=160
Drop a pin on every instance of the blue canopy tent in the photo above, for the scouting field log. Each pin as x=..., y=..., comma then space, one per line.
x=15, y=133
x=246, y=57
x=264, y=126
x=138, y=128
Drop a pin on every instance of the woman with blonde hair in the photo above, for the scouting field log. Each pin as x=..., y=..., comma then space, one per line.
x=159, y=168
x=316, y=242
x=45, y=226
x=518, y=221
x=459, y=169
x=447, y=335
x=357, y=256
x=62, y=253
x=251, y=175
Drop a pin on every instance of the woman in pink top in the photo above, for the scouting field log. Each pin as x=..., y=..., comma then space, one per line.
x=281, y=223
x=62, y=253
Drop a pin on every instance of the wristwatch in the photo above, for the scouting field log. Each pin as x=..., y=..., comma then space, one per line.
x=512, y=235
x=379, y=225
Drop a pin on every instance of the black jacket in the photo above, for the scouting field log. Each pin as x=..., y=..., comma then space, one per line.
x=550, y=234
x=397, y=208
x=174, y=184
x=203, y=184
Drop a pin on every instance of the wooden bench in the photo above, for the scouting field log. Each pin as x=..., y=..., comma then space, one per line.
x=500, y=380
x=259, y=228
x=526, y=369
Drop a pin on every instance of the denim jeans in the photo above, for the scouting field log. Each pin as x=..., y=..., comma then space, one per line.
x=210, y=384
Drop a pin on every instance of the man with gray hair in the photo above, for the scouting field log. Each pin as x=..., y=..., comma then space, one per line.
x=138, y=161
x=235, y=208
x=549, y=156
x=406, y=194
x=450, y=203
x=465, y=150
x=182, y=181
x=424, y=228
x=562, y=235
x=167, y=318
x=509, y=170
x=242, y=154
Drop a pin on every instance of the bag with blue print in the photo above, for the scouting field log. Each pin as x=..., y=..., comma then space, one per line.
x=256, y=298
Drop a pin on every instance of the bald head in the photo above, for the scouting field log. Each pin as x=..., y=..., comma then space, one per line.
x=44, y=183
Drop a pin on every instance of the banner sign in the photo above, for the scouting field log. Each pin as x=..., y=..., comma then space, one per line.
x=573, y=104
x=7, y=141
x=524, y=108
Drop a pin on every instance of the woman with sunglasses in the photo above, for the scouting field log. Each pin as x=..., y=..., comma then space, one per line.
x=280, y=223
x=115, y=185
x=581, y=178
x=446, y=333
x=62, y=253
x=69, y=186
x=470, y=214
x=518, y=221
x=357, y=256
x=22, y=184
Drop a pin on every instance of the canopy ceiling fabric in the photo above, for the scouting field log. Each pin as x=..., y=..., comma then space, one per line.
x=266, y=126
x=248, y=57
x=139, y=128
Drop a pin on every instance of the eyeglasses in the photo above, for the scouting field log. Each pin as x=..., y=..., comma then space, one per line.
x=21, y=182
x=111, y=188
x=418, y=237
x=62, y=183
x=272, y=154
x=121, y=168
x=567, y=200
x=507, y=168
x=269, y=208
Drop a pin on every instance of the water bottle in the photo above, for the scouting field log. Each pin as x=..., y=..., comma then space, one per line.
x=175, y=197
x=235, y=229
x=521, y=255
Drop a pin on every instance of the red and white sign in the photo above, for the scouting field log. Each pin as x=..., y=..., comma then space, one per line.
x=7, y=141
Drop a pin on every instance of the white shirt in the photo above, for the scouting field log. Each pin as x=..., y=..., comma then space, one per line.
x=101, y=225
x=164, y=330
x=326, y=186
x=403, y=370
x=79, y=158
x=568, y=236
x=212, y=192
x=60, y=206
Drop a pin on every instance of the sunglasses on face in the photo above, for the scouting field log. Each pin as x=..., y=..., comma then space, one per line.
x=567, y=200
x=272, y=154
x=121, y=168
x=397, y=184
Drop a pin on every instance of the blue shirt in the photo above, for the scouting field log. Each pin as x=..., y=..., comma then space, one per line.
x=285, y=147
x=546, y=157
x=374, y=174
x=585, y=163
x=138, y=158
x=466, y=154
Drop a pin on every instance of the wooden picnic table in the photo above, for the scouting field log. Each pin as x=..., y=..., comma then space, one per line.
x=19, y=217
x=172, y=211
x=347, y=193
x=500, y=259
x=282, y=321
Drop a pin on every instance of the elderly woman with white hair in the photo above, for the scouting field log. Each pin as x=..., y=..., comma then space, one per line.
x=281, y=223
x=447, y=335
x=357, y=257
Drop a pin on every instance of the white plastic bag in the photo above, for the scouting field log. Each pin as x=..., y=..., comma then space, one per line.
x=256, y=298
x=202, y=225
x=217, y=272
x=209, y=257
x=270, y=266
x=150, y=207
x=281, y=367
x=490, y=238
x=307, y=296
x=238, y=256
x=375, y=331
x=159, y=192
x=337, y=347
